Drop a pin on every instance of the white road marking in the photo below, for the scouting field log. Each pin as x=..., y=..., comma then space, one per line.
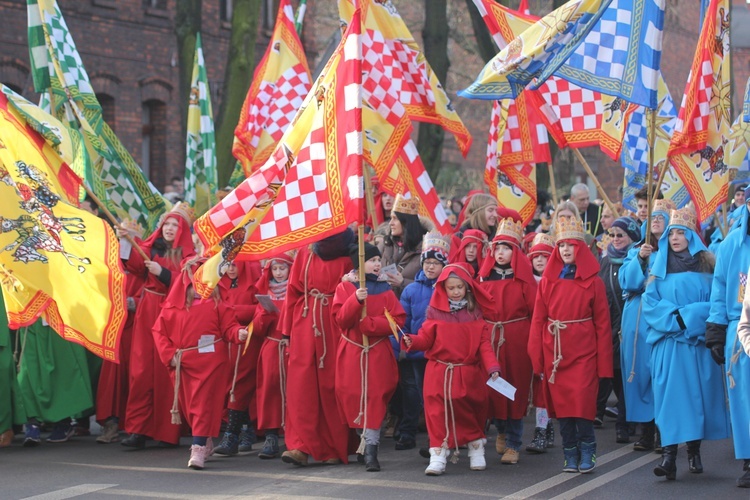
x=567, y=476
x=609, y=476
x=72, y=492
x=298, y=477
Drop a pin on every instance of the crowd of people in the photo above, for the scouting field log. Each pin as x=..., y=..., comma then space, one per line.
x=584, y=304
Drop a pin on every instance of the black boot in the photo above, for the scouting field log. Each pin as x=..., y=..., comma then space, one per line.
x=137, y=441
x=744, y=480
x=371, y=458
x=694, y=456
x=668, y=465
x=646, y=441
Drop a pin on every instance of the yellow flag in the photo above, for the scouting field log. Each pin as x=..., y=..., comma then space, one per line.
x=56, y=260
x=394, y=327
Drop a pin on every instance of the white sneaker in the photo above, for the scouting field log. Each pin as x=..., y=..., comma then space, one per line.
x=197, y=457
x=476, y=454
x=438, y=459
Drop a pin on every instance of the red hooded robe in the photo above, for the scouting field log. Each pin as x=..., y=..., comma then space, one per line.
x=273, y=361
x=460, y=358
x=203, y=371
x=583, y=352
x=510, y=319
x=313, y=424
x=150, y=391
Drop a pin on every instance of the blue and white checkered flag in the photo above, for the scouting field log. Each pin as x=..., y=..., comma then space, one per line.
x=621, y=55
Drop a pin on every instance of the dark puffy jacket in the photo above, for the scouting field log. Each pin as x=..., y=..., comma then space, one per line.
x=414, y=299
x=608, y=273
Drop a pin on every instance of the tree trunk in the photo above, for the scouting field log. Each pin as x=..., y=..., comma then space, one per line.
x=237, y=77
x=187, y=23
x=435, y=39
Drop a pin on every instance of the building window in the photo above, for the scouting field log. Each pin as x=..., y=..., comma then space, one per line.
x=225, y=10
x=155, y=4
x=268, y=13
x=107, y=103
x=154, y=141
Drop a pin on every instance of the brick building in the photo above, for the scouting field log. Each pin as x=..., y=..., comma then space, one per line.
x=129, y=49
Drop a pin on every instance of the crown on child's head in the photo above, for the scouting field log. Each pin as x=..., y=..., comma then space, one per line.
x=569, y=228
x=664, y=205
x=683, y=217
x=403, y=205
x=543, y=239
x=436, y=241
x=185, y=211
x=509, y=230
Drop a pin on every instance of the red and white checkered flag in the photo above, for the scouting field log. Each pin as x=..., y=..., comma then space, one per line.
x=280, y=83
x=312, y=185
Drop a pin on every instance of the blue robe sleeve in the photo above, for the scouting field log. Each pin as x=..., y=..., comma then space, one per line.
x=718, y=314
x=631, y=274
x=667, y=319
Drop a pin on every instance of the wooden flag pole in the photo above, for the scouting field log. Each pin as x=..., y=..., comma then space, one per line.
x=552, y=184
x=662, y=174
x=361, y=243
x=598, y=185
x=650, y=174
x=369, y=198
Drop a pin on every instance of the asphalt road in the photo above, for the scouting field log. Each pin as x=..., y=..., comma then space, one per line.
x=83, y=469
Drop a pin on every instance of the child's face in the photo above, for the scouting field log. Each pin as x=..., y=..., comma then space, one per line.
x=432, y=268
x=677, y=240
x=372, y=266
x=455, y=288
x=232, y=271
x=471, y=252
x=280, y=271
x=503, y=254
x=539, y=262
x=567, y=252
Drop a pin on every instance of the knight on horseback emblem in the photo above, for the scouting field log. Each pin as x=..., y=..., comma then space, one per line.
x=41, y=231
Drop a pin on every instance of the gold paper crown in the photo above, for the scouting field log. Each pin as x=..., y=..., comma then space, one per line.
x=405, y=206
x=436, y=241
x=665, y=206
x=683, y=217
x=511, y=229
x=185, y=211
x=543, y=239
x=569, y=228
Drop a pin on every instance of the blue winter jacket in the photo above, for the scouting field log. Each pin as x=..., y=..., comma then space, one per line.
x=414, y=299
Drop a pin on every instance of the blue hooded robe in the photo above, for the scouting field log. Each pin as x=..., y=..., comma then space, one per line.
x=727, y=292
x=688, y=386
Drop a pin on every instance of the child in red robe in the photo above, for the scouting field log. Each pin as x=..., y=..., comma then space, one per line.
x=366, y=370
x=274, y=353
x=149, y=388
x=508, y=277
x=571, y=341
x=472, y=250
x=541, y=249
x=456, y=341
x=191, y=336
x=237, y=289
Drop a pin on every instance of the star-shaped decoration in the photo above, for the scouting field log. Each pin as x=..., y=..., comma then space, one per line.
x=739, y=137
x=556, y=21
x=721, y=101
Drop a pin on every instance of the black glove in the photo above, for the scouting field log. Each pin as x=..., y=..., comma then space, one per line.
x=717, y=353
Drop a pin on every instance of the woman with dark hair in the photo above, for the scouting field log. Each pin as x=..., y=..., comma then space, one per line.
x=689, y=397
x=150, y=391
x=403, y=243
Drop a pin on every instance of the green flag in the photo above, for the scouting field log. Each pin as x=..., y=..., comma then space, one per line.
x=200, y=157
x=114, y=175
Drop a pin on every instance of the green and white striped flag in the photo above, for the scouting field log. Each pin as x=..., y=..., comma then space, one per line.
x=200, y=157
x=57, y=68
